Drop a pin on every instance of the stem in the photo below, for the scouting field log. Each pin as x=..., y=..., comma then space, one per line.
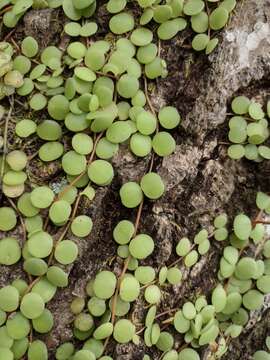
x=147, y=97
x=138, y=217
x=76, y=205
x=31, y=157
x=257, y=218
x=68, y=187
x=118, y=287
x=166, y=312
x=182, y=347
x=176, y=225
x=259, y=248
x=108, y=75
x=31, y=285
x=165, y=327
x=9, y=34
x=5, y=145
x=61, y=194
x=20, y=217
x=168, y=321
x=141, y=330
x=61, y=237
x=181, y=258
x=146, y=285
x=6, y=9
x=136, y=226
x=263, y=222
x=115, y=297
x=15, y=44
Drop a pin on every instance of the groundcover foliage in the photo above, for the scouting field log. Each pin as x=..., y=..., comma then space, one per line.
x=96, y=91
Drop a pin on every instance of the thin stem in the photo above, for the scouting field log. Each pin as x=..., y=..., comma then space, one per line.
x=115, y=297
x=31, y=157
x=108, y=75
x=146, y=285
x=136, y=226
x=118, y=287
x=176, y=225
x=147, y=96
x=138, y=217
x=15, y=44
x=27, y=143
x=9, y=34
x=166, y=312
x=75, y=208
x=139, y=213
x=163, y=328
x=63, y=234
x=182, y=347
x=259, y=249
x=265, y=222
x=257, y=218
x=6, y=9
x=46, y=222
x=61, y=237
x=149, y=102
x=31, y=285
x=168, y=321
x=69, y=186
x=20, y=217
x=141, y=330
x=62, y=193
x=5, y=144
x=181, y=258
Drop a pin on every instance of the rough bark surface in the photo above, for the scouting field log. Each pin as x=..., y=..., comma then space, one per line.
x=200, y=179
